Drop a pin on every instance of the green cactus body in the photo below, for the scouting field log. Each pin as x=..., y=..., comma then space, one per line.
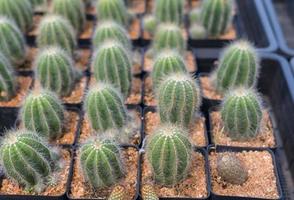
x=37, y=2
x=112, y=64
x=169, y=11
x=73, y=10
x=166, y=63
x=169, y=36
x=149, y=23
x=195, y=16
x=8, y=82
x=43, y=113
x=56, y=30
x=12, y=42
x=55, y=71
x=26, y=158
x=197, y=32
x=114, y=10
x=101, y=163
x=216, y=16
x=238, y=66
x=20, y=11
x=111, y=31
x=178, y=99
x=169, y=154
x=105, y=108
x=241, y=114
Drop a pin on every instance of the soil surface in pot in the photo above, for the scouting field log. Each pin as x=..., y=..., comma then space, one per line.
x=194, y=186
x=80, y=189
x=261, y=182
x=208, y=90
x=197, y=129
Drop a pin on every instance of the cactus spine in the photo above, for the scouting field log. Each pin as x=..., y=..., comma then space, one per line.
x=178, y=99
x=105, y=108
x=112, y=64
x=216, y=16
x=148, y=193
x=56, y=30
x=12, y=42
x=118, y=193
x=241, y=114
x=169, y=11
x=7, y=79
x=169, y=154
x=43, y=113
x=101, y=163
x=73, y=10
x=238, y=66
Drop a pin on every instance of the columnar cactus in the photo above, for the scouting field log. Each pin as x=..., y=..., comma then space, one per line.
x=12, y=42
x=112, y=64
x=238, y=66
x=118, y=193
x=178, y=99
x=148, y=193
x=56, y=30
x=167, y=62
x=20, y=11
x=43, y=113
x=73, y=10
x=169, y=36
x=55, y=70
x=216, y=16
x=169, y=154
x=112, y=10
x=7, y=79
x=105, y=108
x=241, y=114
x=101, y=163
x=169, y=11
x=27, y=159
x=110, y=30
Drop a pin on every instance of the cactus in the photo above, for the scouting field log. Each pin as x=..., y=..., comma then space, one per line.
x=27, y=159
x=110, y=30
x=12, y=42
x=112, y=64
x=216, y=16
x=55, y=70
x=114, y=10
x=73, y=10
x=118, y=193
x=166, y=63
x=195, y=16
x=37, y=2
x=169, y=11
x=178, y=99
x=149, y=23
x=101, y=163
x=238, y=66
x=169, y=154
x=169, y=36
x=43, y=113
x=20, y=11
x=148, y=193
x=56, y=30
x=7, y=79
x=197, y=32
x=241, y=114
x=105, y=108
x=231, y=169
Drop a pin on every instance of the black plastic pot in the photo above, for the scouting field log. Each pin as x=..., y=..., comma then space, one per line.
x=237, y=149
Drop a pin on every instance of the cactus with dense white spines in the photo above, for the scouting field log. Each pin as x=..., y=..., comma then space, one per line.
x=8, y=82
x=197, y=32
x=118, y=193
x=169, y=11
x=148, y=192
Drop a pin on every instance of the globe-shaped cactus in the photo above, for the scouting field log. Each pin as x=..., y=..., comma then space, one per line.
x=8, y=82
x=169, y=11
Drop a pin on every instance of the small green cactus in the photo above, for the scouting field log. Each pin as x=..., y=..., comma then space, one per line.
x=169, y=154
x=12, y=42
x=197, y=32
x=149, y=23
x=27, y=159
x=178, y=99
x=148, y=193
x=110, y=30
x=43, y=113
x=8, y=82
x=56, y=30
x=55, y=70
x=112, y=64
x=241, y=114
x=239, y=66
x=169, y=11
x=105, y=108
x=231, y=169
x=167, y=62
x=216, y=16
x=73, y=10
x=195, y=16
x=118, y=193
x=101, y=163
x=20, y=11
